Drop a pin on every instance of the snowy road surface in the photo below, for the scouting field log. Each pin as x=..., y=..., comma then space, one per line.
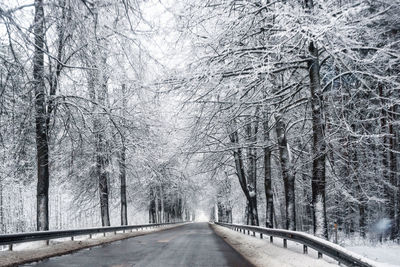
x=193, y=244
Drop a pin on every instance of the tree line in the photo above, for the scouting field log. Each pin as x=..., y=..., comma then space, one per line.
x=299, y=96
x=78, y=125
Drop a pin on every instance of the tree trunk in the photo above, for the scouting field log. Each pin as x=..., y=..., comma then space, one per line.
x=101, y=164
x=157, y=206
x=238, y=157
x=122, y=176
x=122, y=166
x=152, y=207
x=162, y=204
x=102, y=160
x=42, y=217
x=319, y=146
x=2, y=226
x=268, y=175
x=287, y=174
x=359, y=194
x=247, y=213
x=98, y=88
x=386, y=157
x=251, y=132
x=307, y=215
x=393, y=214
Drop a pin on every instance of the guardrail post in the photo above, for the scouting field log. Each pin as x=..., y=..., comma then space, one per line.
x=90, y=236
x=284, y=243
x=10, y=247
x=271, y=239
x=248, y=232
x=254, y=233
x=319, y=255
x=72, y=238
x=104, y=233
x=261, y=235
x=305, y=249
x=47, y=242
x=115, y=232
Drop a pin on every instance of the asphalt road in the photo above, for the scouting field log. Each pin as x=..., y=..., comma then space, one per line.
x=193, y=244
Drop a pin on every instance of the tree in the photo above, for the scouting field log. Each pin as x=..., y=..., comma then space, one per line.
x=122, y=164
x=41, y=118
x=319, y=146
x=269, y=222
x=315, y=68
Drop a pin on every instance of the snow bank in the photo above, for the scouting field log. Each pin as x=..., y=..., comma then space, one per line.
x=384, y=255
x=262, y=253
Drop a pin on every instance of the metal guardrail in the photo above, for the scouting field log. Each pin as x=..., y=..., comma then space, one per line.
x=320, y=245
x=10, y=239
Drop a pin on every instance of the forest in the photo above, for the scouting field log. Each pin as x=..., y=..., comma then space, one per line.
x=282, y=114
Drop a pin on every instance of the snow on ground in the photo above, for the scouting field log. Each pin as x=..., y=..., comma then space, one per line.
x=35, y=251
x=385, y=255
x=262, y=253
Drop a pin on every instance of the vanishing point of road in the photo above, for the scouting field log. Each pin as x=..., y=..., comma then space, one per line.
x=192, y=244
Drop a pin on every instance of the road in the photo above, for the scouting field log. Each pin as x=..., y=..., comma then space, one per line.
x=193, y=244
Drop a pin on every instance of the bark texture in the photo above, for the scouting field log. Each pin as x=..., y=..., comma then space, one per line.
x=122, y=165
x=287, y=174
x=122, y=177
x=98, y=93
x=42, y=146
x=319, y=146
x=251, y=134
x=248, y=187
x=268, y=175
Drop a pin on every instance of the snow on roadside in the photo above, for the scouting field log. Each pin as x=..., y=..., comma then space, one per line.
x=262, y=253
x=385, y=255
x=35, y=251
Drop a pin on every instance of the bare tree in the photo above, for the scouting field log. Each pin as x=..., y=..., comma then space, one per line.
x=41, y=118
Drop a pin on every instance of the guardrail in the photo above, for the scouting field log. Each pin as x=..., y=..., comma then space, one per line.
x=322, y=246
x=10, y=239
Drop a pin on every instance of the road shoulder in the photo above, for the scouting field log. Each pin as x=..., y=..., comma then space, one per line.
x=13, y=258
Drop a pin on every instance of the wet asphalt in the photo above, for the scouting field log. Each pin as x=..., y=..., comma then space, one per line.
x=193, y=244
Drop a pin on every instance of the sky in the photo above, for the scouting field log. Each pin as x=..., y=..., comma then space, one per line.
x=166, y=45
